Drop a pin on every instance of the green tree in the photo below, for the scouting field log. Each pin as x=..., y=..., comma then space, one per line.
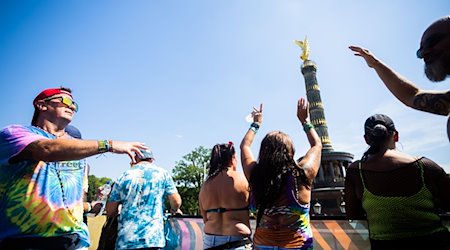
x=94, y=183
x=188, y=175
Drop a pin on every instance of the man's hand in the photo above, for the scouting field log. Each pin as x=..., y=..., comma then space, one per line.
x=177, y=212
x=130, y=148
x=370, y=58
x=96, y=207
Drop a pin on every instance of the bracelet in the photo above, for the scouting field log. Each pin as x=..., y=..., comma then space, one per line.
x=103, y=146
x=254, y=127
x=110, y=145
x=307, y=126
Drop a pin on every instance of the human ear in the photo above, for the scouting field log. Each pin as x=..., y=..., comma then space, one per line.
x=41, y=106
x=366, y=138
x=396, y=136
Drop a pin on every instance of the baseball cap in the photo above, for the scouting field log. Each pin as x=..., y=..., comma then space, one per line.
x=148, y=154
x=46, y=93
x=376, y=119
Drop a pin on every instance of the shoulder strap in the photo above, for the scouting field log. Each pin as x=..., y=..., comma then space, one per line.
x=360, y=174
x=420, y=166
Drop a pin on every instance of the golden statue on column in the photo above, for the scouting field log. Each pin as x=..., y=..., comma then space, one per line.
x=305, y=48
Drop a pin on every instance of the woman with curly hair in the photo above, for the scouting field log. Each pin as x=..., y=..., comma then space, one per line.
x=223, y=202
x=281, y=187
x=400, y=195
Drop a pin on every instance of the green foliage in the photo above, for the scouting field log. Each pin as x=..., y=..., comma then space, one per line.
x=94, y=183
x=188, y=175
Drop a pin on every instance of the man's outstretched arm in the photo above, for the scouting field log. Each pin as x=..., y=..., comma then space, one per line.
x=436, y=102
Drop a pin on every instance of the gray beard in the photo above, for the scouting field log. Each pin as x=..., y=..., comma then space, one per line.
x=438, y=70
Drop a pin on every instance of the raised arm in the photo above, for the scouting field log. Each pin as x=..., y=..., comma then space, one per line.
x=436, y=102
x=247, y=159
x=311, y=160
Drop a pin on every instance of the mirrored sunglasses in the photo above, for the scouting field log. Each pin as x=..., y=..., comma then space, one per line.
x=65, y=100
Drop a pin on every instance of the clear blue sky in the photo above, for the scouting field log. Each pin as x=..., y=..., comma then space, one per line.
x=182, y=74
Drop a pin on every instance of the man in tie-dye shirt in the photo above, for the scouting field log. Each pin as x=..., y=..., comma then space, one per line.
x=41, y=176
x=142, y=191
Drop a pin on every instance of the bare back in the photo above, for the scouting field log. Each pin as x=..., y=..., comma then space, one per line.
x=226, y=196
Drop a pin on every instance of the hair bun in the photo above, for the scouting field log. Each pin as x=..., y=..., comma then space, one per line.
x=379, y=131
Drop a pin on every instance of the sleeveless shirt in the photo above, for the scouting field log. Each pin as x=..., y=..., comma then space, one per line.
x=397, y=217
x=287, y=223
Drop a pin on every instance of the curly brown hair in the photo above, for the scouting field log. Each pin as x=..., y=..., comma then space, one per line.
x=275, y=163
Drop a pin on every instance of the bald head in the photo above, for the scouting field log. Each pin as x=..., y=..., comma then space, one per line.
x=441, y=25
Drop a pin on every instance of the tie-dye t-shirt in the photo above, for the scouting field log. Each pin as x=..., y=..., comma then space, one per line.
x=142, y=190
x=31, y=196
x=287, y=223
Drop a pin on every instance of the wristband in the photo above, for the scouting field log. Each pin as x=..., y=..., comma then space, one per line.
x=254, y=127
x=110, y=145
x=103, y=146
x=307, y=126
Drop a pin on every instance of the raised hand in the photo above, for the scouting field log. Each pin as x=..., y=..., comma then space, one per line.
x=257, y=114
x=132, y=149
x=302, y=110
x=364, y=53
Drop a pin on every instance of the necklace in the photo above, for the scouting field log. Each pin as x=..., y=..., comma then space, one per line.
x=58, y=173
x=61, y=135
x=57, y=136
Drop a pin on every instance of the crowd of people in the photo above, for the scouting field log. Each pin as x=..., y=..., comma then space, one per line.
x=43, y=177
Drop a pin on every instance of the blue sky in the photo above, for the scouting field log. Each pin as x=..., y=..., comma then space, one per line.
x=182, y=74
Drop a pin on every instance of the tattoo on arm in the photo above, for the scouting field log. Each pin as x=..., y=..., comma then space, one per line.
x=436, y=103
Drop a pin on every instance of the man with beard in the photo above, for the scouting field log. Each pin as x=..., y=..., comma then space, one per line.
x=435, y=52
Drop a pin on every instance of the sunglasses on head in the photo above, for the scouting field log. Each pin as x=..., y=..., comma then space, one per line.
x=64, y=100
x=430, y=43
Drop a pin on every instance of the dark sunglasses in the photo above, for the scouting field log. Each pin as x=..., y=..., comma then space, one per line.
x=64, y=100
x=430, y=43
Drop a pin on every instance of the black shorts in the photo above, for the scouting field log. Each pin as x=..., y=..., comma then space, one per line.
x=435, y=241
x=65, y=242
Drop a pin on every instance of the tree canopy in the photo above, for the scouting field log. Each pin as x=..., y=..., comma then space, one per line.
x=94, y=183
x=189, y=174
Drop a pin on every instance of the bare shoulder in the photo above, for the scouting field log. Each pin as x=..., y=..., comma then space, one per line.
x=240, y=175
x=204, y=188
x=240, y=180
x=352, y=171
x=354, y=165
x=431, y=166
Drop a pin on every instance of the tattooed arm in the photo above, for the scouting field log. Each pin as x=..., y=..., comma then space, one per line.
x=433, y=102
x=436, y=102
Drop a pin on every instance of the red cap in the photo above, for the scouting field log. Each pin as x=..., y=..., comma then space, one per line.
x=50, y=92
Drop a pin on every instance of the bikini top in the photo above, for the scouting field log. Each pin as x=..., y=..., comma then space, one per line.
x=221, y=210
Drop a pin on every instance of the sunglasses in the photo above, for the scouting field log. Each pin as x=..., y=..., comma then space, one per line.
x=430, y=43
x=64, y=100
